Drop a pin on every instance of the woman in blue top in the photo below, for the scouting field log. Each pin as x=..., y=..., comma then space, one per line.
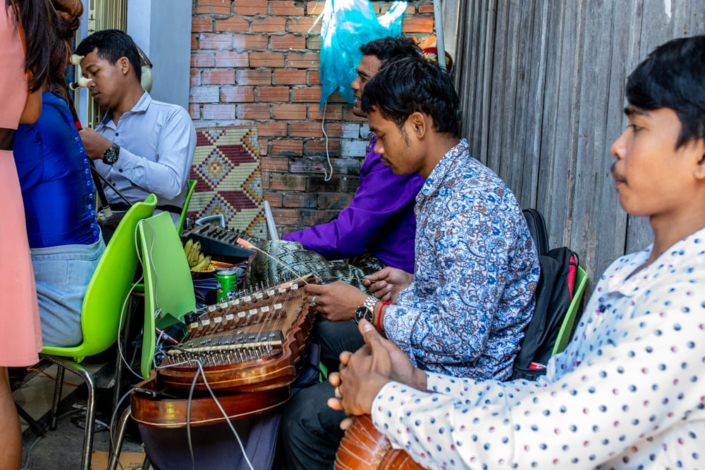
x=57, y=190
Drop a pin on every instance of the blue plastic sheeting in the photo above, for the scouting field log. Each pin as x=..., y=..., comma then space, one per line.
x=347, y=25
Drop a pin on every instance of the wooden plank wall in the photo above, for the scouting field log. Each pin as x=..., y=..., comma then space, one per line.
x=542, y=84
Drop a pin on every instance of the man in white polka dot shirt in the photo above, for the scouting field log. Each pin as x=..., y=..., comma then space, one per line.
x=628, y=391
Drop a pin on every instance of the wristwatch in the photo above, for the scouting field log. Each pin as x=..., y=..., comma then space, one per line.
x=366, y=310
x=111, y=155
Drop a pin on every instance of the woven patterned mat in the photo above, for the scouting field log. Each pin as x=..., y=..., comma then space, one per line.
x=226, y=166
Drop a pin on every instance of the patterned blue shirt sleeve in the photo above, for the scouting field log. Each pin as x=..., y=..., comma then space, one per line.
x=475, y=275
x=452, y=326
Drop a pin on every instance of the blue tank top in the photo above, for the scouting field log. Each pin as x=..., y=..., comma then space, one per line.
x=54, y=173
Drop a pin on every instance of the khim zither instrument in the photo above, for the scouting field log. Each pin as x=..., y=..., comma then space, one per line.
x=249, y=350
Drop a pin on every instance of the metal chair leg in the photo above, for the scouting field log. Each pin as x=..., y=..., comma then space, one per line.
x=115, y=452
x=90, y=420
x=64, y=362
x=146, y=465
x=57, y=395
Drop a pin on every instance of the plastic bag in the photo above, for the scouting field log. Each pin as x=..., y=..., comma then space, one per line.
x=347, y=25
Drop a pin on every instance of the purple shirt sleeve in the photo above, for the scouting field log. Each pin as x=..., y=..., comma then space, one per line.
x=381, y=195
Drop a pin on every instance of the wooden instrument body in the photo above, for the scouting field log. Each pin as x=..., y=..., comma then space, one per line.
x=171, y=412
x=244, y=388
x=365, y=448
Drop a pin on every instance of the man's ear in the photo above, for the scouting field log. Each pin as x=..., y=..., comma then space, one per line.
x=699, y=150
x=123, y=64
x=419, y=124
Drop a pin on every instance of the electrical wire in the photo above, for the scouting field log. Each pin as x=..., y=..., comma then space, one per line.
x=29, y=452
x=152, y=268
x=327, y=177
x=119, y=339
x=188, y=418
x=316, y=22
x=51, y=376
x=200, y=366
x=227, y=420
x=215, y=399
x=127, y=298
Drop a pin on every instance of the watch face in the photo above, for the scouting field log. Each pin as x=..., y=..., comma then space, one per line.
x=111, y=155
x=363, y=312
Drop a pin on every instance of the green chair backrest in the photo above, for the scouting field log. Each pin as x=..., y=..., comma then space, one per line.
x=564, y=334
x=182, y=219
x=109, y=287
x=168, y=287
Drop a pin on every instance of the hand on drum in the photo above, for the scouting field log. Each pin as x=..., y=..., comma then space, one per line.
x=336, y=301
x=363, y=374
x=386, y=283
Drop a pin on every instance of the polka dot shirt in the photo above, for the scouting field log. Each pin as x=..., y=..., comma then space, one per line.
x=627, y=393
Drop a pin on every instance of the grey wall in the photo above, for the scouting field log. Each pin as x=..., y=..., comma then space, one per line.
x=162, y=28
x=542, y=90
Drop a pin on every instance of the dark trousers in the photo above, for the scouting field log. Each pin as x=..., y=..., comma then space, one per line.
x=310, y=431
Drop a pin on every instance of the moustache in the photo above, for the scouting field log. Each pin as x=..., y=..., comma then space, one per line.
x=615, y=175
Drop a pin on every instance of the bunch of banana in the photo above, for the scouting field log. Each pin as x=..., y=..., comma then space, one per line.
x=196, y=260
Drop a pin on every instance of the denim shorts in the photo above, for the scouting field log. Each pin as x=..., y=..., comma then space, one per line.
x=62, y=274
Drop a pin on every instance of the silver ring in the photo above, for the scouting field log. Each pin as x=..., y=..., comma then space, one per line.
x=337, y=393
x=313, y=301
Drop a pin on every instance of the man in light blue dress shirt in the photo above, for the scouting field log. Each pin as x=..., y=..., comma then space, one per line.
x=142, y=146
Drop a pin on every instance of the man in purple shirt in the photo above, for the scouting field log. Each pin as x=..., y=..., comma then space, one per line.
x=380, y=218
x=377, y=229
x=379, y=226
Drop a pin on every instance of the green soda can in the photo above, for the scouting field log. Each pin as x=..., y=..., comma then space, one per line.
x=227, y=278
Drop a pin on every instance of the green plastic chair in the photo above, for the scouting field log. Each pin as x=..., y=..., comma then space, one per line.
x=100, y=315
x=182, y=219
x=168, y=294
x=167, y=278
x=564, y=334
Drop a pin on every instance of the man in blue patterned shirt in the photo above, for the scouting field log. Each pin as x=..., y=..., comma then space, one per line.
x=464, y=310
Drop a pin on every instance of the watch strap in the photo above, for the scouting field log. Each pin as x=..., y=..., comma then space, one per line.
x=370, y=303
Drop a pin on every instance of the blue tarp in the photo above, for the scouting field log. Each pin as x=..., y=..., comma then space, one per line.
x=347, y=25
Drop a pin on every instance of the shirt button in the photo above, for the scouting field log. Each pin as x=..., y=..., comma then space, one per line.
x=117, y=134
x=120, y=170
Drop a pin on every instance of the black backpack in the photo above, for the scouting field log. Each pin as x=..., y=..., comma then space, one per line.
x=553, y=298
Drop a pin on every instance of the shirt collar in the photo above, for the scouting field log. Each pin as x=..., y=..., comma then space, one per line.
x=141, y=106
x=679, y=256
x=443, y=168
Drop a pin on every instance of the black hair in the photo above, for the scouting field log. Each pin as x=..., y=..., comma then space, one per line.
x=37, y=28
x=413, y=84
x=391, y=49
x=112, y=45
x=66, y=18
x=673, y=77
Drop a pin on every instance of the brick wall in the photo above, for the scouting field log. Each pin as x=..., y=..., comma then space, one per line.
x=252, y=61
